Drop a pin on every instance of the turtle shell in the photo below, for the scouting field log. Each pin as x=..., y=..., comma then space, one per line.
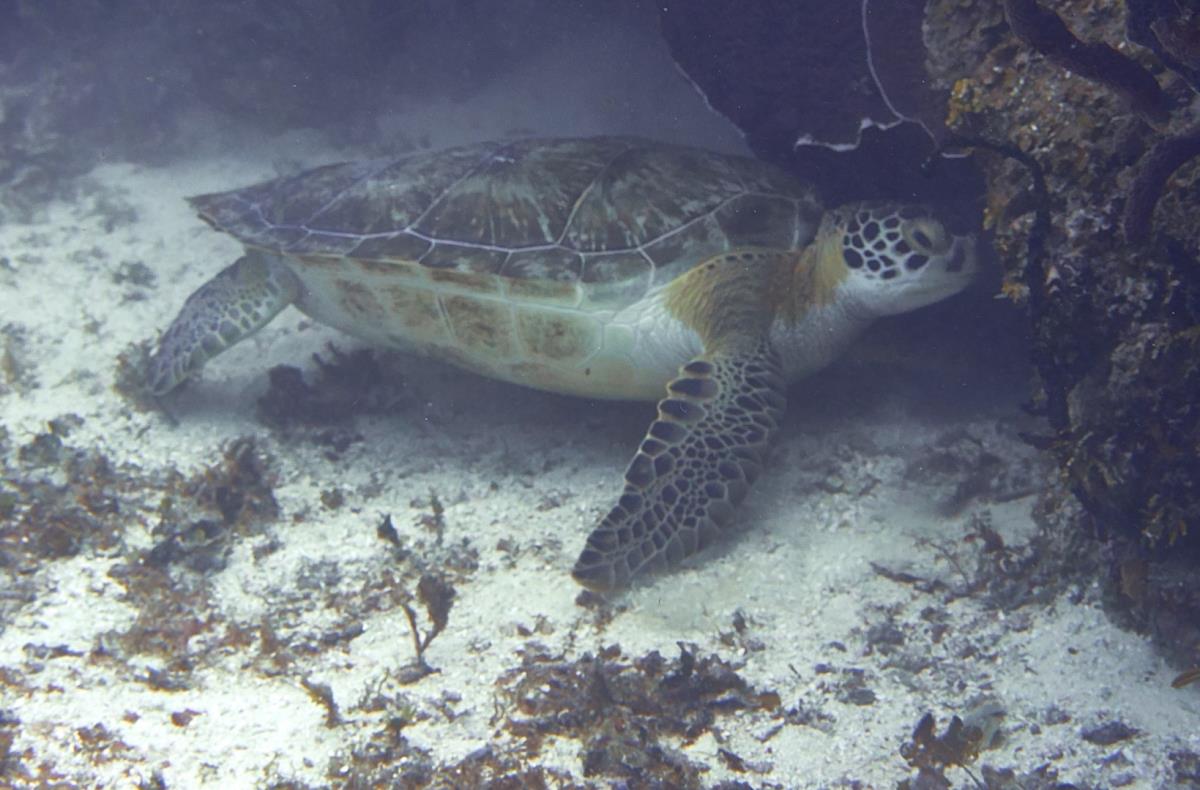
x=617, y=214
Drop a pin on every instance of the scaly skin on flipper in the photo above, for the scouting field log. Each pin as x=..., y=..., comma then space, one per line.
x=230, y=307
x=708, y=444
x=694, y=467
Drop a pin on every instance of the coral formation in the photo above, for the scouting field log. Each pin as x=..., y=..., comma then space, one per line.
x=1172, y=30
x=1046, y=32
x=1158, y=165
x=1114, y=316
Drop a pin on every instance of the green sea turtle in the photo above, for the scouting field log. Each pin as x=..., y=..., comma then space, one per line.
x=607, y=267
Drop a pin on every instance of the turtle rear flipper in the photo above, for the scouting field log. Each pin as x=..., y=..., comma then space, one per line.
x=695, y=465
x=230, y=307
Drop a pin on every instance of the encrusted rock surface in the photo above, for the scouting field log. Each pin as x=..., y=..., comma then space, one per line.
x=1116, y=339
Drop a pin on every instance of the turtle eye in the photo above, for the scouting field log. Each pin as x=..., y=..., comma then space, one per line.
x=920, y=237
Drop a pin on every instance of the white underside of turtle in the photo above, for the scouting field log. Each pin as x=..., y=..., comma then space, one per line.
x=603, y=267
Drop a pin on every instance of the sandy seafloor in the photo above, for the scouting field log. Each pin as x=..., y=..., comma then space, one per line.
x=523, y=477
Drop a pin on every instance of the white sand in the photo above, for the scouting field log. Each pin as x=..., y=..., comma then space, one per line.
x=536, y=471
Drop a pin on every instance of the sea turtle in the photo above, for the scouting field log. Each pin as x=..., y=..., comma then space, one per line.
x=608, y=267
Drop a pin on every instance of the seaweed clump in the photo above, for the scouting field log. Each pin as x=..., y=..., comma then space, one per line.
x=621, y=711
x=387, y=759
x=57, y=501
x=931, y=754
x=199, y=518
x=960, y=746
x=233, y=496
x=344, y=386
x=436, y=595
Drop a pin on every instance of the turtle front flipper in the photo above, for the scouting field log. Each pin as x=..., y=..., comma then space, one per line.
x=695, y=465
x=230, y=307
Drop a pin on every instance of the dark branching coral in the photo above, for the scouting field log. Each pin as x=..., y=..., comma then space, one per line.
x=1170, y=28
x=1034, y=272
x=1046, y=32
x=1155, y=168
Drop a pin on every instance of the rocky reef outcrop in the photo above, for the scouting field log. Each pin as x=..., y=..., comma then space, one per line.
x=1088, y=141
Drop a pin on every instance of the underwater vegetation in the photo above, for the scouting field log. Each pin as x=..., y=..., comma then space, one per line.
x=1088, y=150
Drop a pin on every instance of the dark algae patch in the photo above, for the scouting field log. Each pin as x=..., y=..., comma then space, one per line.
x=232, y=497
x=626, y=713
x=344, y=384
x=57, y=501
x=629, y=716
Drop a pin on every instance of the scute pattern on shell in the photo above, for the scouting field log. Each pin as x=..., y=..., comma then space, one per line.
x=597, y=210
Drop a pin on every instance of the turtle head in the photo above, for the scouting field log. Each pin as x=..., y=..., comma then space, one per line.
x=894, y=257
